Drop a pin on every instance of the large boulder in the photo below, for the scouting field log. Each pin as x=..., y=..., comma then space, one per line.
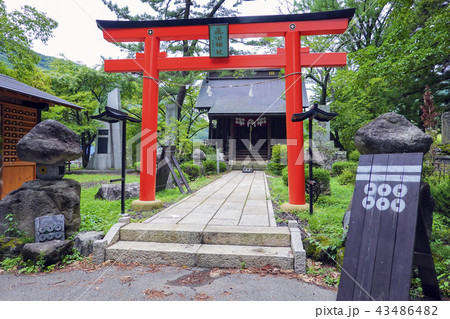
x=198, y=156
x=391, y=133
x=114, y=191
x=51, y=251
x=39, y=198
x=49, y=142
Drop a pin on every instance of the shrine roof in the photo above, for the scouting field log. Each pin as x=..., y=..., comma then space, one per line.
x=12, y=90
x=268, y=97
x=312, y=16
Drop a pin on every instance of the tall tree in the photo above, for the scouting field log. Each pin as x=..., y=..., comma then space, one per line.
x=177, y=9
x=88, y=88
x=18, y=30
x=178, y=90
x=414, y=52
x=365, y=29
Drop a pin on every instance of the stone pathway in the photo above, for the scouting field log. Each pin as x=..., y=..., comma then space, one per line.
x=237, y=199
x=229, y=223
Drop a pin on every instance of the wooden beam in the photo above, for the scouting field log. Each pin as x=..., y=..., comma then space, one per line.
x=249, y=30
x=270, y=61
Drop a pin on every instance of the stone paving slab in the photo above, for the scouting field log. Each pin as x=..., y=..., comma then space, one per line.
x=250, y=256
x=157, y=253
x=254, y=220
x=247, y=236
x=162, y=233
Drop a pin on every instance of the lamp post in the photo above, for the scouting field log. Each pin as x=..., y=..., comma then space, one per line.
x=111, y=115
x=320, y=115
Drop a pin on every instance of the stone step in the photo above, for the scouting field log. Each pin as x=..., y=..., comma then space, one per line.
x=197, y=255
x=212, y=235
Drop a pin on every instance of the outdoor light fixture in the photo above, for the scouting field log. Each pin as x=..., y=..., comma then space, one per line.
x=111, y=115
x=312, y=113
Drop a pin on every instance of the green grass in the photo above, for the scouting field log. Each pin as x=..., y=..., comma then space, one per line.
x=328, y=210
x=100, y=215
x=94, y=178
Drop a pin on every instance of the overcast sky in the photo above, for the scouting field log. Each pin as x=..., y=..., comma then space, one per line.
x=79, y=39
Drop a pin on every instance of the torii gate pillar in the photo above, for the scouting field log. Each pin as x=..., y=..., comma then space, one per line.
x=296, y=167
x=149, y=120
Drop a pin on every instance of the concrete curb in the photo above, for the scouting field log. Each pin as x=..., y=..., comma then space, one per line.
x=272, y=222
x=112, y=237
x=297, y=248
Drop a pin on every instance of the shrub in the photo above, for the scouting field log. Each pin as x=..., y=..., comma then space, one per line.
x=210, y=167
x=278, y=160
x=222, y=167
x=339, y=167
x=441, y=194
x=427, y=171
x=284, y=174
x=322, y=182
x=208, y=149
x=354, y=156
x=445, y=148
x=348, y=176
x=185, y=149
x=191, y=170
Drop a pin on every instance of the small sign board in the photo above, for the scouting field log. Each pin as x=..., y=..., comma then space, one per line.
x=49, y=228
x=386, y=234
x=219, y=41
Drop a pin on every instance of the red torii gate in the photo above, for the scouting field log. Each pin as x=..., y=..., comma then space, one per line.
x=292, y=58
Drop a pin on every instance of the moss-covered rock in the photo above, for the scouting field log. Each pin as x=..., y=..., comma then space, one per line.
x=340, y=257
x=10, y=247
x=316, y=248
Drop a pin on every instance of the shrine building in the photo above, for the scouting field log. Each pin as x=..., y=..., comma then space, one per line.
x=247, y=115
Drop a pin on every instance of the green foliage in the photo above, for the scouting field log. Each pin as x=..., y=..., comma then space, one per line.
x=441, y=195
x=354, y=156
x=210, y=167
x=445, y=148
x=339, y=167
x=208, y=149
x=391, y=76
x=191, y=170
x=12, y=227
x=74, y=256
x=348, y=176
x=322, y=178
x=9, y=263
x=29, y=266
x=185, y=149
x=222, y=167
x=284, y=175
x=100, y=215
x=427, y=172
x=89, y=88
x=100, y=179
x=278, y=160
x=18, y=30
x=346, y=171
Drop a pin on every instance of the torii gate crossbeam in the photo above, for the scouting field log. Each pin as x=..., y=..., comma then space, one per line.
x=292, y=58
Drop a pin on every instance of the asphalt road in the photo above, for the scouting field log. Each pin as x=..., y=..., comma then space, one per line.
x=134, y=283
